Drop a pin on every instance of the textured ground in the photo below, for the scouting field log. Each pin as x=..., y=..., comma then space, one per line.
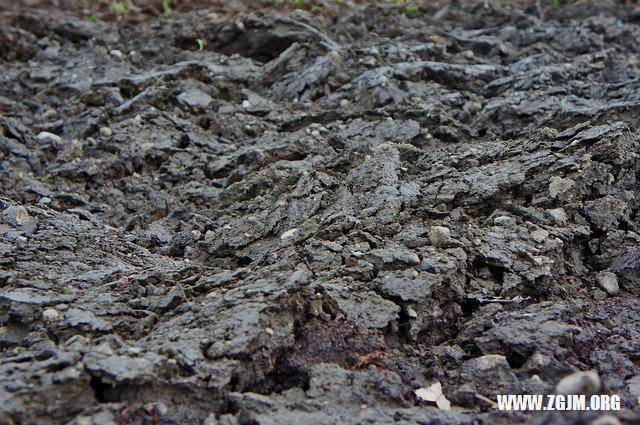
x=278, y=217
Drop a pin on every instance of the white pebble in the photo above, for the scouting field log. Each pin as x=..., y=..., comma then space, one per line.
x=579, y=383
x=106, y=131
x=608, y=281
x=289, y=233
x=46, y=136
x=50, y=315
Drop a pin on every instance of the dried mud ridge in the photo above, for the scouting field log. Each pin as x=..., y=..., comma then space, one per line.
x=313, y=217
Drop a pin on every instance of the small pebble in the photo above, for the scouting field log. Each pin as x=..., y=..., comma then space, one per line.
x=105, y=348
x=579, y=383
x=504, y=221
x=49, y=114
x=539, y=235
x=15, y=215
x=289, y=233
x=558, y=185
x=425, y=266
x=558, y=215
x=51, y=53
x=161, y=409
x=537, y=362
x=45, y=136
x=106, y=131
x=116, y=53
x=608, y=281
x=439, y=235
x=50, y=315
x=491, y=362
x=344, y=103
x=134, y=351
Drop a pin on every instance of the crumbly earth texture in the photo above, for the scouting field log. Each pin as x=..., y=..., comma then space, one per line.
x=235, y=213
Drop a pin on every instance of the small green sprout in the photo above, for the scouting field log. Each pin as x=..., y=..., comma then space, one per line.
x=91, y=18
x=119, y=7
x=410, y=9
x=200, y=43
x=166, y=7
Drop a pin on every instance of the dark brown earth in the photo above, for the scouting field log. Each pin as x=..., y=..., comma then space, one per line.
x=247, y=213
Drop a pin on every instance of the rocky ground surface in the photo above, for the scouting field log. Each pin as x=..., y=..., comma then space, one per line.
x=279, y=217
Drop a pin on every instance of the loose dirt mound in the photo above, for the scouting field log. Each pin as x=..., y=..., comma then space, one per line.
x=282, y=217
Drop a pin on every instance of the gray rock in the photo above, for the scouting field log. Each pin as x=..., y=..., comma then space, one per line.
x=539, y=235
x=608, y=281
x=17, y=216
x=627, y=267
x=440, y=235
x=490, y=375
x=558, y=215
x=45, y=136
x=195, y=99
x=558, y=185
x=504, y=221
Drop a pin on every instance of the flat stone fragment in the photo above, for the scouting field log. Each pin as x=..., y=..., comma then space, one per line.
x=195, y=99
